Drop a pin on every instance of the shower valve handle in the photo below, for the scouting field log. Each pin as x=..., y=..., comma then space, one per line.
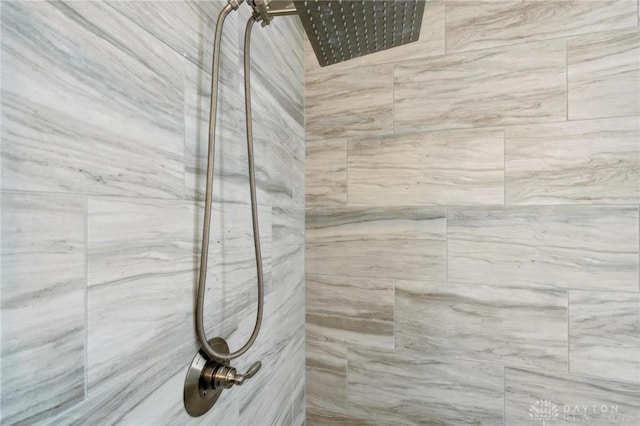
x=225, y=376
x=240, y=378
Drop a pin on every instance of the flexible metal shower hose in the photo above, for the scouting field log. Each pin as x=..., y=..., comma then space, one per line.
x=202, y=278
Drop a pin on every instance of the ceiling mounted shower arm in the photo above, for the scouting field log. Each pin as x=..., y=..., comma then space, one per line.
x=264, y=12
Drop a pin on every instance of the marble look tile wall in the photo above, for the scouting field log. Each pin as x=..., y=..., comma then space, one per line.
x=421, y=169
x=603, y=333
x=561, y=246
x=360, y=242
x=492, y=186
x=576, y=162
x=43, y=304
x=499, y=86
x=104, y=131
x=600, y=70
x=479, y=24
x=506, y=325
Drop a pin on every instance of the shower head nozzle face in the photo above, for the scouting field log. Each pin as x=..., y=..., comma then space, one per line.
x=340, y=30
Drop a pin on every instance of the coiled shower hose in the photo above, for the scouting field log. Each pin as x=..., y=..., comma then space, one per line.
x=202, y=278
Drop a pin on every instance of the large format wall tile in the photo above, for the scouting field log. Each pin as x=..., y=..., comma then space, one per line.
x=349, y=102
x=326, y=173
x=603, y=72
x=512, y=326
x=187, y=26
x=592, y=161
x=352, y=310
x=402, y=243
x=83, y=124
x=326, y=363
x=269, y=395
x=578, y=400
x=141, y=271
x=43, y=309
x=430, y=43
x=604, y=334
x=508, y=85
x=572, y=247
x=142, y=267
x=452, y=167
x=392, y=388
x=230, y=166
x=165, y=406
x=480, y=24
x=144, y=387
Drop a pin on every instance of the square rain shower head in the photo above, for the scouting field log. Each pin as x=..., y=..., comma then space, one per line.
x=340, y=30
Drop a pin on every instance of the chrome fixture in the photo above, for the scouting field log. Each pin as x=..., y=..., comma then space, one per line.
x=338, y=30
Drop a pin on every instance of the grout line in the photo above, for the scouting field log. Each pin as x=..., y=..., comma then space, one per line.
x=346, y=378
x=504, y=166
x=395, y=322
x=628, y=29
x=504, y=395
x=393, y=99
x=566, y=77
x=546, y=288
x=496, y=126
x=445, y=28
x=86, y=297
x=568, y=335
x=346, y=167
x=446, y=244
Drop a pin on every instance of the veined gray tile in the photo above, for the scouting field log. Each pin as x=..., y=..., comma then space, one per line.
x=164, y=406
x=43, y=291
x=480, y=24
x=453, y=167
x=571, y=247
x=230, y=169
x=580, y=162
x=351, y=102
x=431, y=43
x=108, y=123
x=299, y=378
x=187, y=26
x=152, y=246
x=288, y=225
x=578, y=400
x=281, y=327
x=603, y=72
x=326, y=173
x=604, y=334
x=326, y=374
x=506, y=85
x=298, y=175
x=394, y=388
x=402, y=243
x=146, y=383
x=526, y=327
x=323, y=417
x=357, y=311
